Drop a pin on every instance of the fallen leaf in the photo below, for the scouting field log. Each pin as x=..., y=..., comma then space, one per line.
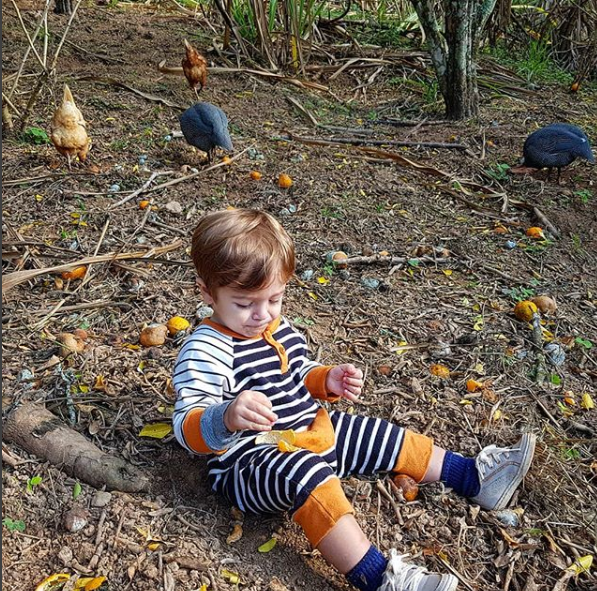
x=236, y=534
x=156, y=430
x=53, y=582
x=230, y=576
x=268, y=546
x=441, y=371
x=587, y=402
x=581, y=565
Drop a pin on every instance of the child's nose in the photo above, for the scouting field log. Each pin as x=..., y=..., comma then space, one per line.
x=260, y=312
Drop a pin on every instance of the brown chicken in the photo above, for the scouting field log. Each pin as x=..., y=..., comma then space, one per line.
x=68, y=129
x=194, y=66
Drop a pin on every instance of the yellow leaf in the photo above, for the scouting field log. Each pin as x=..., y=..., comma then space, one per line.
x=286, y=447
x=156, y=430
x=39, y=197
x=236, y=534
x=312, y=296
x=53, y=582
x=447, y=272
x=581, y=565
x=100, y=383
x=479, y=368
x=441, y=371
x=153, y=546
x=474, y=385
x=268, y=546
x=497, y=415
x=322, y=280
x=587, y=402
x=274, y=437
x=402, y=348
x=230, y=576
x=131, y=346
x=95, y=583
x=466, y=402
x=478, y=325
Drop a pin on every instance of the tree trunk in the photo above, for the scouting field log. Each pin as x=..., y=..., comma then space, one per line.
x=63, y=7
x=452, y=49
x=461, y=95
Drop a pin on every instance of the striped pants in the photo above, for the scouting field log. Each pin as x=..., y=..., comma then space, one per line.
x=307, y=484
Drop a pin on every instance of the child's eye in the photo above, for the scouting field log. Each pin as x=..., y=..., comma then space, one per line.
x=243, y=306
x=275, y=301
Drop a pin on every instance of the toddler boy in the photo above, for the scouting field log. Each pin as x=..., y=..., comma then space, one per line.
x=245, y=371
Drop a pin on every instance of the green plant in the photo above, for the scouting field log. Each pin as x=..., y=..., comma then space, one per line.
x=332, y=212
x=36, y=136
x=13, y=525
x=498, y=172
x=584, y=195
x=583, y=342
x=520, y=293
x=33, y=482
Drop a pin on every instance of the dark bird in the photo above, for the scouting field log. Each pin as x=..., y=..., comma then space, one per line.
x=205, y=126
x=194, y=67
x=556, y=146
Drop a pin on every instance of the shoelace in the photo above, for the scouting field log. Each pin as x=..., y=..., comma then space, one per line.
x=407, y=576
x=491, y=456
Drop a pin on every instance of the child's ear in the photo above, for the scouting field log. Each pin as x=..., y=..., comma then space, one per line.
x=205, y=294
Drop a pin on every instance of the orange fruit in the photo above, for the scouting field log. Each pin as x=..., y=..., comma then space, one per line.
x=284, y=181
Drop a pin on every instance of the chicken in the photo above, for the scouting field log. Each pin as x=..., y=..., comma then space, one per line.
x=194, y=66
x=205, y=126
x=556, y=146
x=68, y=129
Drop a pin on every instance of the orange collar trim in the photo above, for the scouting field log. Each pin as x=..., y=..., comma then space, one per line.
x=271, y=328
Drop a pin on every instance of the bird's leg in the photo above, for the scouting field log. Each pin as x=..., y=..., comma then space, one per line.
x=559, y=173
x=196, y=92
x=69, y=162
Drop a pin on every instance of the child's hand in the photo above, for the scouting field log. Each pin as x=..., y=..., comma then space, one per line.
x=250, y=410
x=345, y=380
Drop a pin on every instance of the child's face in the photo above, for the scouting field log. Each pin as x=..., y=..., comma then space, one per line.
x=247, y=312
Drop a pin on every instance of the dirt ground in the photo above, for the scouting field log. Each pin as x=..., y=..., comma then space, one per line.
x=456, y=219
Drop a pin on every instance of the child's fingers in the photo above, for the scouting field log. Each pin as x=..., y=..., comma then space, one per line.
x=353, y=397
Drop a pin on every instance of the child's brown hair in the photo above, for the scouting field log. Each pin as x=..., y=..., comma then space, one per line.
x=241, y=248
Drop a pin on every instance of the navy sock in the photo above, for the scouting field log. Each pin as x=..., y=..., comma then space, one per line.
x=460, y=474
x=368, y=573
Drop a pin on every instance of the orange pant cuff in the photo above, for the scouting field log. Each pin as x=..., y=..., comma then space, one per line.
x=414, y=456
x=321, y=511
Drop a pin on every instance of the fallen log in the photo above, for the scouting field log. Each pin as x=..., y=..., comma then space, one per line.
x=38, y=431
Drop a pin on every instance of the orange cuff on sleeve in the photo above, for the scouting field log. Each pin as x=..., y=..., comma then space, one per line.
x=414, y=456
x=322, y=510
x=315, y=383
x=191, y=429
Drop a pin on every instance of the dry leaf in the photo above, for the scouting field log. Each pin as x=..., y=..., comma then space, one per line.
x=236, y=534
x=441, y=371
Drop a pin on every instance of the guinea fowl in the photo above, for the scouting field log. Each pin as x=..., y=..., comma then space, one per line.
x=205, y=126
x=556, y=146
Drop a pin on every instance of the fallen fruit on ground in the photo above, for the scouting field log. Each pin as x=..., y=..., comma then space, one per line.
x=407, y=485
x=524, y=310
x=284, y=181
x=177, y=324
x=153, y=335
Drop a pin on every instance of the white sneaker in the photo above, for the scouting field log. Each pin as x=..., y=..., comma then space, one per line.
x=501, y=470
x=405, y=576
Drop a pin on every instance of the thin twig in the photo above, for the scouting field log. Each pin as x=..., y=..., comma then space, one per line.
x=31, y=45
x=27, y=51
x=140, y=190
x=63, y=39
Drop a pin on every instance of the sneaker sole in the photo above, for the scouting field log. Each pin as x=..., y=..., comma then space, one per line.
x=528, y=440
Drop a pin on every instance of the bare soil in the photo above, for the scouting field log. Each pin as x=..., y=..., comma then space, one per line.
x=453, y=308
